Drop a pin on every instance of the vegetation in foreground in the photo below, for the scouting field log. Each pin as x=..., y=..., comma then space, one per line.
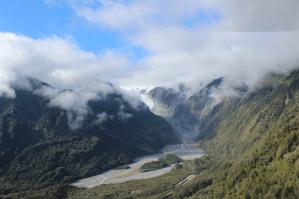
x=171, y=159
x=153, y=165
x=161, y=163
x=156, y=187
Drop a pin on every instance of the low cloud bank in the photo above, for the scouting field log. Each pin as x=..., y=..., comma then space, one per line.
x=122, y=115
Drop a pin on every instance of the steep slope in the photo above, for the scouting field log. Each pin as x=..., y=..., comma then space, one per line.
x=259, y=134
x=271, y=171
x=182, y=112
x=38, y=148
x=188, y=115
x=185, y=114
x=241, y=122
x=165, y=100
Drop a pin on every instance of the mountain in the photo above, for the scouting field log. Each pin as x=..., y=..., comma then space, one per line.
x=41, y=146
x=258, y=134
x=185, y=114
x=228, y=133
x=145, y=90
x=189, y=114
x=166, y=100
x=252, y=143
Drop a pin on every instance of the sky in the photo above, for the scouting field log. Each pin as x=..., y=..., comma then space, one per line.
x=149, y=43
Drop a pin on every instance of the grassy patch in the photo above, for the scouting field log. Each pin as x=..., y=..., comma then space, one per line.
x=123, y=167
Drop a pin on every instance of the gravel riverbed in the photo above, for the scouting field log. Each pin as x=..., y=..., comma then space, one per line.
x=184, y=150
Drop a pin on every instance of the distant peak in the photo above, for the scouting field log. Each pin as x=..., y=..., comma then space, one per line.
x=142, y=91
x=215, y=82
x=35, y=83
x=145, y=90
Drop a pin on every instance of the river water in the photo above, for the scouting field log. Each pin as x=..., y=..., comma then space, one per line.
x=185, y=150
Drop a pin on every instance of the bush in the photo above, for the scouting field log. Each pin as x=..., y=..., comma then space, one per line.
x=153, y=165
x=171, y=159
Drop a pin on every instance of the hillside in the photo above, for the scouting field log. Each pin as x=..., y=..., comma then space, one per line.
x=252, y=142
x=166, y=100
x=187, y=114
x=258, y=134
x=38, y=149
x=241, y=122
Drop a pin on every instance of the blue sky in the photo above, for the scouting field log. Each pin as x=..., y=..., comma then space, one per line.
x=37, y=19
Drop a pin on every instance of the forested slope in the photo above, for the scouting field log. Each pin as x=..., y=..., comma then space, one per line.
x=258, y=133
x=252, y=142
x=38, y=149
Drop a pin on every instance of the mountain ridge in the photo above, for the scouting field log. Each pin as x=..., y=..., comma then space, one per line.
x=38, y=148
x=251, y=141
x=186, y=113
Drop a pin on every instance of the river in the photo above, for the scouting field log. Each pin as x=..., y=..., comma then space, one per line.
x=185, y=150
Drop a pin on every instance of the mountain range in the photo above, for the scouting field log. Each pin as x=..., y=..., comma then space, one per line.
x=187, y=113
x=39, y=146
x=250, y=137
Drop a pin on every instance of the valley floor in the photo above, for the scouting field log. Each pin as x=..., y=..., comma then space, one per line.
x=185, y=150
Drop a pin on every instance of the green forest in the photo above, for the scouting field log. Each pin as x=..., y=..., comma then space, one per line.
x=39, y=152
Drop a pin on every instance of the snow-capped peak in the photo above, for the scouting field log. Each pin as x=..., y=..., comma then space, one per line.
x=145, y=90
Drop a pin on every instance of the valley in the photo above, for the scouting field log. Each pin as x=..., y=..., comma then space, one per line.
x=184, y=151
x=240, y=146
x=128, y=99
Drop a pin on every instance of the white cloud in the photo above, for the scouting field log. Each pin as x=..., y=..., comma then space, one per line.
x=6, y=76
x=133, y=98
x=102, y=117
x=260, y=16
x=124, y=15
x=57, y=61
x=60, y=63
x=122, y=115
x=200, y=53
x=52, y=2
x=75, y=104
x=177, y=52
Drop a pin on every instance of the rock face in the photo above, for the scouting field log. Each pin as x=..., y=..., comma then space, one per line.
x=188, y=115
x=166, y=100
x=38, y=148
x=185, y=114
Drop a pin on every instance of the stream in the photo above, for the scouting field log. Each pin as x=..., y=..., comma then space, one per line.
x=185, y=150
